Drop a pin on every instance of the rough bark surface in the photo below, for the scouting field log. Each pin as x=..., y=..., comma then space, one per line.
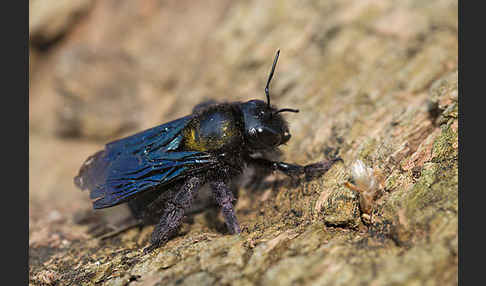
x=375, y=80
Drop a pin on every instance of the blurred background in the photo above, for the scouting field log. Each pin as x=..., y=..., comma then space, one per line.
x=359, y=71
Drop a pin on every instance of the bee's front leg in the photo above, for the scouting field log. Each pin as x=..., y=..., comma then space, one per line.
x=292, y=170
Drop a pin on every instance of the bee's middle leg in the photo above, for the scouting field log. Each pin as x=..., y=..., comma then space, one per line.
x=225, y=198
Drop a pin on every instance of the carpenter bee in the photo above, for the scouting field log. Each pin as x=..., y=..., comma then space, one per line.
x=158, y=171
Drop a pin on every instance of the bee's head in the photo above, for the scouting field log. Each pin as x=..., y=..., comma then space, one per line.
x=265, y=127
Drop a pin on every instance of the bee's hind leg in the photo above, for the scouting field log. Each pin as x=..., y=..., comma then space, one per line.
x=174, y=213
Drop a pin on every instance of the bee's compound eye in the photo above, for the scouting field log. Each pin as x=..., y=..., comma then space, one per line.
x=285, y=137
x=252, y=132
x=268, y=137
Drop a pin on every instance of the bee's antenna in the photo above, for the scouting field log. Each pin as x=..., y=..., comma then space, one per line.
x=270, y=77
x=286, y=110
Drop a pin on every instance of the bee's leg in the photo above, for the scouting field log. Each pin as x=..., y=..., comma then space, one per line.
x=174, y=212
x=310, y=171
x=224, y=197
x=256, y=181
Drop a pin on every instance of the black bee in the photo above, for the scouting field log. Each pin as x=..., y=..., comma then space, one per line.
x=159, y=171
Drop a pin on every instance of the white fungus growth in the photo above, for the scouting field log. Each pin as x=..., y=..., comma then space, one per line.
x=365, y=184
x=363, y=176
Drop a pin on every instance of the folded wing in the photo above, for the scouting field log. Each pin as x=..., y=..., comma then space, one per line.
x=145, y=161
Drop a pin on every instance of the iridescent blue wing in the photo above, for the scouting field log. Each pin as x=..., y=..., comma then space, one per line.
x=131, y=175
x=148, y=140
x=138, y=163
